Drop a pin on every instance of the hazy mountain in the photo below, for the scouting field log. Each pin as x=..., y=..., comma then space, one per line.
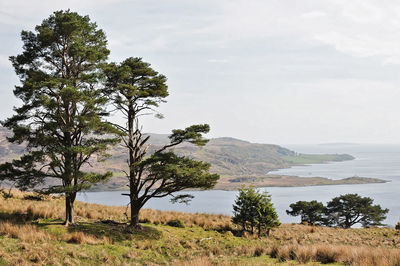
x=229, y=157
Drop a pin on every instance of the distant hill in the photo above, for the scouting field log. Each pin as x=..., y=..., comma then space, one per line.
x=233, y=157
x=229, y=157
x=7, y=150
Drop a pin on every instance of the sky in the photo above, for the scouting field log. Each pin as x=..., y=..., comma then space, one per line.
x=276, y=71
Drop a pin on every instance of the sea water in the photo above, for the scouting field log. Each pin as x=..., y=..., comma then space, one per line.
x=377, y=161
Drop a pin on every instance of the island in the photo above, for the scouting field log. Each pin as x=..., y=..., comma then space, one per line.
x=290, y=181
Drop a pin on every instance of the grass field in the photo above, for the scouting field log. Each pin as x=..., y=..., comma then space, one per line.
x=31, y=233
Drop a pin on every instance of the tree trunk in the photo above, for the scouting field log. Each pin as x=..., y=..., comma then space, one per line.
x=69, y=209
x=135, y=216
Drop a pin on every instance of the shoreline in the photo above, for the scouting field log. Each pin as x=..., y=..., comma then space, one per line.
x=226, y=183
x=296, y=181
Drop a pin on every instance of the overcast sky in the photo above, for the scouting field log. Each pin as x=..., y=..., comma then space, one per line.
x=271, y=71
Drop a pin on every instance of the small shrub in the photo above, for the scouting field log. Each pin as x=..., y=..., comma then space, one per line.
x=398, y=226
x=258, y=251
x=176, y=223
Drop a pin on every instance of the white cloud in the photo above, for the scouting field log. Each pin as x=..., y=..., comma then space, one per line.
x=357, y=28
x=215, y=60
x=19, y=12
x=298, y=71
x=313, y=14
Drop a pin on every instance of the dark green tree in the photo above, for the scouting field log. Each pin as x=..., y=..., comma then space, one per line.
x=267, y=218
x=254, y=210
x=61, y=119
x=136, y=89
x=311, y=212
x=350, y=209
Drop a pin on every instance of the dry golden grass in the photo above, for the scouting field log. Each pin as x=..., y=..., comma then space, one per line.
x=349, y=255
x=31, y=234
x=302, y=243
x=206, y=221
x=26, y=233
x=53, y=207
x=82, y=238
x=303, y=234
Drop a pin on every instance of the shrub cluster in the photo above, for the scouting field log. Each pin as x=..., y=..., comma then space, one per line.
x=343, y=211
x=176, y=223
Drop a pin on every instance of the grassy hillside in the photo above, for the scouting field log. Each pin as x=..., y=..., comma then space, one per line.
x=236, y=159
x=31, y=234
x=231, y=158
x=8, y=151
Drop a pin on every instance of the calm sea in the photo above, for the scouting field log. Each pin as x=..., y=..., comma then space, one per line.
x=380, y=161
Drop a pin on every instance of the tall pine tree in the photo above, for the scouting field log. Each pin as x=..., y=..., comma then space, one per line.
x=61, y=119
x=136, y=89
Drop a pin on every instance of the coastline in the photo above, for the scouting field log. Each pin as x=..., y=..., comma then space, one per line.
x=271, y=180
x=295, y=181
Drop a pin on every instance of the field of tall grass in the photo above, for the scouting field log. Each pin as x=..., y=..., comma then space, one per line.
x=31, y=233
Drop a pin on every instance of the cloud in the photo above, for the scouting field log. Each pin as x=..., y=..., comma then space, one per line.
x=298, y=71
x=357, y=28
x=23, y=12
x=218, y=61
x=313, y=14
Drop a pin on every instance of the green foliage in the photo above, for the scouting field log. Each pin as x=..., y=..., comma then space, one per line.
x=397, y=226
x=253, y=209
x=311, y=212
x=136, y=89
x=176, y=223
x=192, y=134
x=347, y=210
x=63, y=108
x=134, y=86
x=343, y=211
x=176, y=173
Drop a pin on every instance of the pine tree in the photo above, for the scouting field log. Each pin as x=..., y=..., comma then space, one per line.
x=350, y=209
x=254, y=210
x=311, y=212
x=61, y=119
x=136, y=89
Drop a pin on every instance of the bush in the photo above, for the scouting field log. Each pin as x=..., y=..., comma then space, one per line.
x=176, y=223
x=254, y=210
x=398, y=226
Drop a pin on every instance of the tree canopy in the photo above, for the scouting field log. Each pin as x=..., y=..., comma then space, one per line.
x=350, y=209
x=343, y=211
x=311, y=212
